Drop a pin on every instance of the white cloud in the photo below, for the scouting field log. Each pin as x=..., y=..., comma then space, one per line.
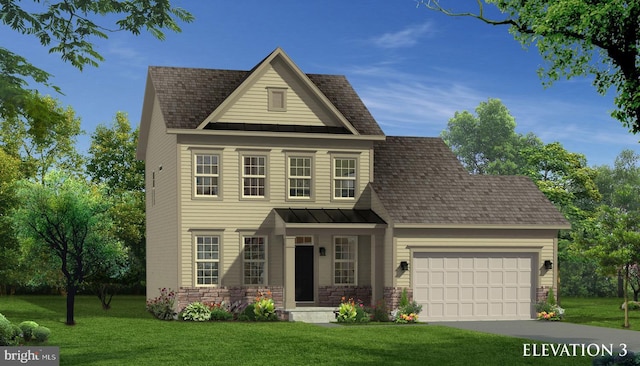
x=406, y=37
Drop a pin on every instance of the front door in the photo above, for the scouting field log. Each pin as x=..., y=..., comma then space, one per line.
x=304, y=273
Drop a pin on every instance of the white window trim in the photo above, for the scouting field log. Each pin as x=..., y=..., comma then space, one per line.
x=355, y=261
x=194, y=174
x=265, y=176
x=334, y=178
x=271, y=91
x=195, y=237
x=265, y=260
x=310, y=177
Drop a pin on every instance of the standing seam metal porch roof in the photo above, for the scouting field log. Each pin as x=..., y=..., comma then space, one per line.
x=328, y=216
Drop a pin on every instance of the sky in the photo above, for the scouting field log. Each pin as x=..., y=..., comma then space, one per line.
x=412, y=67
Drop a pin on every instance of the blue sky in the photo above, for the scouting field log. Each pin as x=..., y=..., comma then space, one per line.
x=412, y=67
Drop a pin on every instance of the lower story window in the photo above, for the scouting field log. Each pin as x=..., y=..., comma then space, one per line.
x=255, y=260
x=207, y=259
x=344, y=261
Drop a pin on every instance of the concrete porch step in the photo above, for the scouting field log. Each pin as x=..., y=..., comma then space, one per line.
x=312, y=314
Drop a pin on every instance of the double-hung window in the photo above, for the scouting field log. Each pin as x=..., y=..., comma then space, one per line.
x=299, y=177
x=255, y=260
x=344, y=177
x=345, y=259
x=254, y=175
x=207, y=172
x=207, y=259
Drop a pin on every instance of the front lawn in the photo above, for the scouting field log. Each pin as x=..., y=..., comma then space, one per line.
x=602, y=312
x=127, y=335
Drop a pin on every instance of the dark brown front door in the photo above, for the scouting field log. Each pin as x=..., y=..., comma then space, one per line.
x=304, y=273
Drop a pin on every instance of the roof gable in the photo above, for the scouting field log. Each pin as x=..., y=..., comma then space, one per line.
x=305, y=104
x=420, y=181
x=190, y=96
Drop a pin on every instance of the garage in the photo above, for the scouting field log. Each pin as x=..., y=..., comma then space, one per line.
x=474, y=286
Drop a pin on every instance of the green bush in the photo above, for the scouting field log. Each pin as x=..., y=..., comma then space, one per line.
x=407, y=311
x=248, y=314
x=219, y=311
x=380, y=313
x=27, y=328
x=6, y=332
x=41, y=334
x=162, y=306
x=630, y=359
x=633, y=305
x=196, y=311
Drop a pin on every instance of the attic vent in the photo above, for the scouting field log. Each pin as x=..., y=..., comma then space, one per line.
x=277, y=99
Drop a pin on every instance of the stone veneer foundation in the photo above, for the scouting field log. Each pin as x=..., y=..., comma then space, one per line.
x=187, y=295
x=392, y=296
x=332, y=295
x=542, y=293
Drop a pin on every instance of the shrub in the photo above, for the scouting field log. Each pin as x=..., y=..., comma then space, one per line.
x=633, y=305
x=248, y=314
x=219, y=311
x=27, y=328
x=380, y=313
x=196, y=311
x=7, y=337
x=547, y=311
x=630, y=359
x=351, y=312
x=264, y=307
x=41, y=334
x=162, y=306
x=407, y=311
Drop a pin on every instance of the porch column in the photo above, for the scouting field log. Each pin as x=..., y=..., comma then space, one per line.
x=289, y=272
x=374, y=267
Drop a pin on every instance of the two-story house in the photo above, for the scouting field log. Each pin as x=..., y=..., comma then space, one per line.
x=273, y=179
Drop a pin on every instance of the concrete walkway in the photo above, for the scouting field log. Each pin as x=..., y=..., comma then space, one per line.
x=554, y=332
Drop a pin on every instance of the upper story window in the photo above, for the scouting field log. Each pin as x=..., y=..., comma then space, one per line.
x=254, y=175
x=299, y=177
x=344, y=177
x=207, y=173
x=207, y=259
x=277, y=99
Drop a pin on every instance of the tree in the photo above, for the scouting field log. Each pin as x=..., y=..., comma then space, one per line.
x=9, y=246
x=614, y=241
x=68, y=27
x=487, y=142
x=576, y=38
x=52, y=147
x=68, y=219
x=112, y=159
x=112, y=162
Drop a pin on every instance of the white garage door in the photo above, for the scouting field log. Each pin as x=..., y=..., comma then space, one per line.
x=474, y=286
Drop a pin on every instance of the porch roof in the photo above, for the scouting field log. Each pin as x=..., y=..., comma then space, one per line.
x=328, y=216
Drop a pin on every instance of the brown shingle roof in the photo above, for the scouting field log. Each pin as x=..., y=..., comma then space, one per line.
x=420, y=181
x=187, y=96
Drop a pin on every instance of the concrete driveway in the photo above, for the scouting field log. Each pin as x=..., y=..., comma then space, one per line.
x=555, y=332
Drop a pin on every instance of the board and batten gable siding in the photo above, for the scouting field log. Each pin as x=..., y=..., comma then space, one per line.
x=234, y=216
x=512, y=241
x=161, y=206
x=302, y=108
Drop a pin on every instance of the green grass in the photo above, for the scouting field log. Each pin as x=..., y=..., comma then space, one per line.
x=601, y=312
x=127, y=335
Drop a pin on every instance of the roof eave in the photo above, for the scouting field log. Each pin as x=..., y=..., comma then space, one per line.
x=182, y=131
x=483, y=226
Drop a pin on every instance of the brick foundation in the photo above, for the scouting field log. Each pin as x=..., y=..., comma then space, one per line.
x=187, y=295
x=392, y=296
x=332, y=295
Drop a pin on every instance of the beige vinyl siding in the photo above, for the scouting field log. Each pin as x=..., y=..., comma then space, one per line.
x=161, y=210
x=236, y=215
x=541, y=246
x=302, y=108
